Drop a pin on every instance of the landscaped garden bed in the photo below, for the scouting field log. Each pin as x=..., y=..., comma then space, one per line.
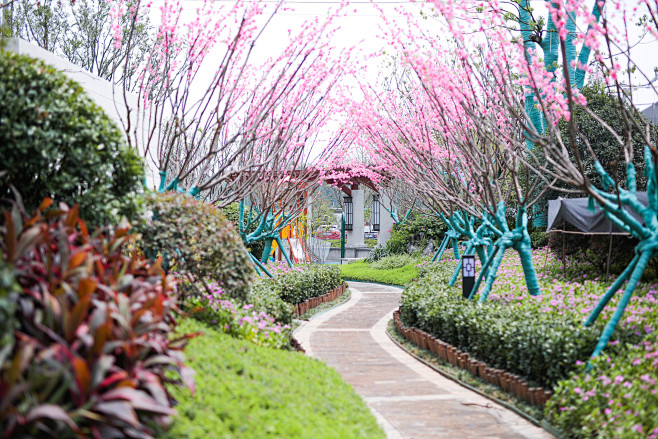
x=542, y=341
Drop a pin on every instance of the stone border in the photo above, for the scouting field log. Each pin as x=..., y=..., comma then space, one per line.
x=304, y=307
x=509, y=382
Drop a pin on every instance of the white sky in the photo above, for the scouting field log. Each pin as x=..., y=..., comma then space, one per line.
x=362, y=28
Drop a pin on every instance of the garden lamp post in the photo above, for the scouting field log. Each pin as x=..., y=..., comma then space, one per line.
x=468, y=275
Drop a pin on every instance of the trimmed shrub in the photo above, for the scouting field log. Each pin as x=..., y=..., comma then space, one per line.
x=91, y=346
x=524, y=335
x=196, y=240
x=55, y=142
x=306, y=281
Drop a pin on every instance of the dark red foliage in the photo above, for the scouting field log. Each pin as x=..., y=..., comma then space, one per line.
x=92, y=344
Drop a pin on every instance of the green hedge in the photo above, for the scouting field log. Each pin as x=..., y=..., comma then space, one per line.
x=522, y=337
x=246, y=391
x=307, y=281
x=265, y=295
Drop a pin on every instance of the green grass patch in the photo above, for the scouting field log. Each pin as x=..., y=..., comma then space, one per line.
x=248, y=391
x=363, y=271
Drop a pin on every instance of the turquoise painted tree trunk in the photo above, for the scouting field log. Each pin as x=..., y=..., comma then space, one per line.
x=268, y=228
x=450, y=237
x=646, y=233
x=549, y=43
x=396, y=217
x=518, y=239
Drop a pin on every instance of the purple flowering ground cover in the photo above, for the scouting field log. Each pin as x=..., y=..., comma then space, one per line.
x=617, y=398
x=264, y=317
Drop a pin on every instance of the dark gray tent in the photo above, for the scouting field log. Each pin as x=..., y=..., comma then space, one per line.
x=574, y=211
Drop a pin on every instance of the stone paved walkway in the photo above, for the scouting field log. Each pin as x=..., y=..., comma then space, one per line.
x=409, y=399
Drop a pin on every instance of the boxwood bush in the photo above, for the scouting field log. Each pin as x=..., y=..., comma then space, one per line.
x=55, y=142
x=196, y=240
x=525, y=337
x=309, y=281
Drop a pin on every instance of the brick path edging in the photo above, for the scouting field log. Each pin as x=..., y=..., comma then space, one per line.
x=304, y=307
x=509, y=382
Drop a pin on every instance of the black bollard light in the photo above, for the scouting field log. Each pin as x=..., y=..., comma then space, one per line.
x=468, y=275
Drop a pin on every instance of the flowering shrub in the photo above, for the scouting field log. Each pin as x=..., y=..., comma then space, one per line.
x=266, y=296
x=91, y=341
x=543, y=338
x=618, y=398
x=241, y=320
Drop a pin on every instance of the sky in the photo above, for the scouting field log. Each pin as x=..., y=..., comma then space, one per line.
x=362, y=27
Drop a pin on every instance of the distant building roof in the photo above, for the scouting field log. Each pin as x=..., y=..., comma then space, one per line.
x=651, y=113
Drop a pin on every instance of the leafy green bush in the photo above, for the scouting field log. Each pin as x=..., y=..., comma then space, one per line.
x=538, y=239
x=296, y=286
x=523, y=335
x=91, y=346
x=265, y=295
x=376, y=254
x=55, y=142
x=196, y=239
x=362, y=271
x=394, y=261
x=418, y=230
x=255, y=392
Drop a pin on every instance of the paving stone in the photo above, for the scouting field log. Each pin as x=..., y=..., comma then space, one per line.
x=409, y=399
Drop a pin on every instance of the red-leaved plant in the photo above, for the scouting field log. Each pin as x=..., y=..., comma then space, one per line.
x=92, y=346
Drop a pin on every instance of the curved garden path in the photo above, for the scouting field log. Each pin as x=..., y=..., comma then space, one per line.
x=409, y=399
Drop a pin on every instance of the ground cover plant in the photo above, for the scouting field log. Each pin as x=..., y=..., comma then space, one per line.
x=543, y=339
x=255, y=392
x=392, y=270
x=265, y=315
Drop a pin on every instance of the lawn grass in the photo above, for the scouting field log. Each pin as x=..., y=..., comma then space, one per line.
x=362, y=271
x=247, y=391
